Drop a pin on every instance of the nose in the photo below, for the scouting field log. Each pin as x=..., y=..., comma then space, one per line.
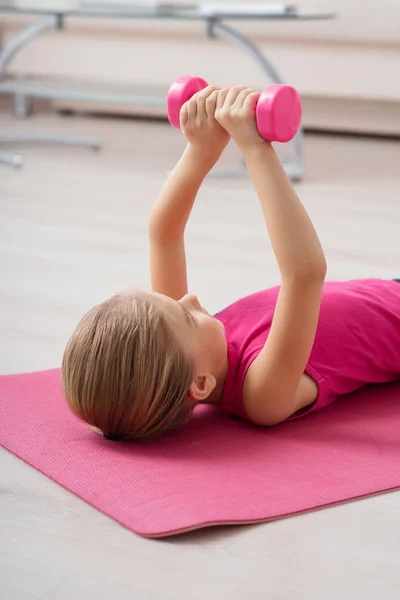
x=191, y=301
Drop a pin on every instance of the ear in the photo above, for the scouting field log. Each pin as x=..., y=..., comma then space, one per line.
x=201, y=387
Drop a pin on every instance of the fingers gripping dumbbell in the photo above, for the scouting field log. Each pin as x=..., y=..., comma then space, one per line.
x=278, y=110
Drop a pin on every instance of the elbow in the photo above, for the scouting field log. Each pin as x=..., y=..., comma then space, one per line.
x=165, y=233
x=318, y=271
x=322, y=266
x=159, y=233
x=267, y=420
x=154, y=228
x=307, y=274
x=262, y=411
x=311, y=270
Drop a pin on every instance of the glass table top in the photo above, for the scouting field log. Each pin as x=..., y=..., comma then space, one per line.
x=162, y=10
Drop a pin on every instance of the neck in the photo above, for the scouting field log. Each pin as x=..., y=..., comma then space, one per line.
x=216, y=395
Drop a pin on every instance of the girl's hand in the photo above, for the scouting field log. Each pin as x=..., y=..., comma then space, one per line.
x=236, y=113
x=199, y=126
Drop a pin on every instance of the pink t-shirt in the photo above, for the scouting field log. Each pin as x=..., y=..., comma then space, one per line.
x=357, y=340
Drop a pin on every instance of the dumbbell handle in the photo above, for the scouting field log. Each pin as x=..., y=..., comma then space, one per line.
x=278, y=110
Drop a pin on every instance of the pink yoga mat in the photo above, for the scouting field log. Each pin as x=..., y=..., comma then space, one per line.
x=217, y=470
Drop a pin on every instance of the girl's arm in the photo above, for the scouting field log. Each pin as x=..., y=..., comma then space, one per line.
x=269, y=393
x=271, y=383
x=169, y=216
x=168, y=221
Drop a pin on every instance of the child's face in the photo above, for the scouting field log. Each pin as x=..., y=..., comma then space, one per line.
x=202, y=336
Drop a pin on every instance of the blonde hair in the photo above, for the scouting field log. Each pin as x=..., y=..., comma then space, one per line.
x=124, y=372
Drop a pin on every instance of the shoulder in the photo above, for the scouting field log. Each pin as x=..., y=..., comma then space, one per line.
x=250, y=304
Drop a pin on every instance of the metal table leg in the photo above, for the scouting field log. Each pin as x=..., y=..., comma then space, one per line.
x=14, y=160
x=70, y=140
x=18, y=41
x=294, y=167
x=21, y=102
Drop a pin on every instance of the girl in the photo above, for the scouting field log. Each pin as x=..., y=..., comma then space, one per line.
x=139, y=363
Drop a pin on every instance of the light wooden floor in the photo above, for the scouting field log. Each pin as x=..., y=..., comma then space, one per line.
x=73, y=231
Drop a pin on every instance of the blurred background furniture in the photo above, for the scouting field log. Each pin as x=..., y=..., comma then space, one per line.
x=52, y=15
x=7, y=52
x=344, y=68
x=16, y=160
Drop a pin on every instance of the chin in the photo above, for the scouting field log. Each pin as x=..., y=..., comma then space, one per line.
x=222, y=343
x=221, y=326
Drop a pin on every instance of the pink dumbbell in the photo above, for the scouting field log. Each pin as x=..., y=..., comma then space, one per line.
x=278, y=110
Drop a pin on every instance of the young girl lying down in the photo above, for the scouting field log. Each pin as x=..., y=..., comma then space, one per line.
x=139, y=363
